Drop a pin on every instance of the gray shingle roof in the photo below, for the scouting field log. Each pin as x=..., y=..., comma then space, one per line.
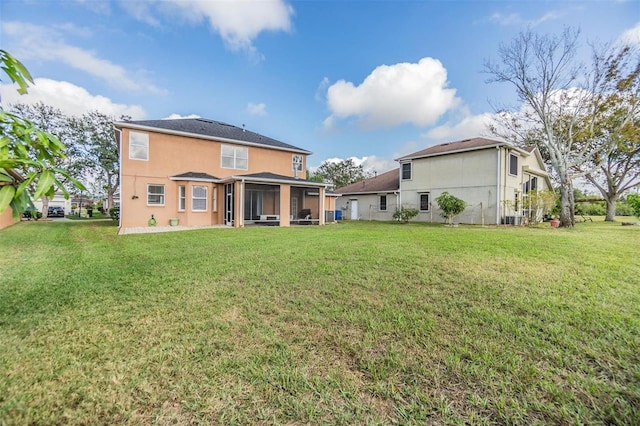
x=385, y=182
x=194, y=175
x=210, y=129
x=445, y=148
x=277, y=177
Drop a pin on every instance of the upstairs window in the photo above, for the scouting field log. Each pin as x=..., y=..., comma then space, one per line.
x=138, y=146
x=513, y=164
x=235, y=157
x=406, y=171
x=296, y=162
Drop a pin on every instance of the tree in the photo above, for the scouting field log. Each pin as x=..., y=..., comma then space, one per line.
x=341, y=173
x=29, y=157
x=54, y=122
x=96, y=138
x=617, y=124
x=450, y=206
x=558, y=105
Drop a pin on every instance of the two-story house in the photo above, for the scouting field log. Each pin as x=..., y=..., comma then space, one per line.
x=492, y=177
x=199, y=172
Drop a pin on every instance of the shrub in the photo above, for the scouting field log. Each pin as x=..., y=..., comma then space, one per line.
x=633, y=201
x=450, y=206
x=405, y=214
x=114, y=213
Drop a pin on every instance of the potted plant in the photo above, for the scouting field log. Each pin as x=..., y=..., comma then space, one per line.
x=173, y=221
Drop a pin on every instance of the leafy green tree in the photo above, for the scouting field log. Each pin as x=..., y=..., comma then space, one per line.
x=450, y=206
x=341, y=173
x=616, y=168
x=94, y=135
x=633, y=201
x=29, y=157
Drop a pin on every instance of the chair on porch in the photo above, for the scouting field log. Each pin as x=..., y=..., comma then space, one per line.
x=304, y=217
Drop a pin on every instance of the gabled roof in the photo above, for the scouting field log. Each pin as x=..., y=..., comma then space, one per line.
x=455, y=147
x=385, y=182
x=209, y=129
x=195, y=176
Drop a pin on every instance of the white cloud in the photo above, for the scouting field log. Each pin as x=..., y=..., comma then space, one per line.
x=514, y=19
x=369, y=163
x=47, y=44
x=237, y=22
x=69, y=98
x=175, y=116
x=631, y=36
x=257, y=109
x=467, y=127
x=394, y=94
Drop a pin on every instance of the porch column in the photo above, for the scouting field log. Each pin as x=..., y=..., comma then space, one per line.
x=322, y=205
x=285, y=204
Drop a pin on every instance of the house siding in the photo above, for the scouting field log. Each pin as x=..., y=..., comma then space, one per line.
x=6, y=218
x=170, y=155
x=480, y=177
x=368, y=206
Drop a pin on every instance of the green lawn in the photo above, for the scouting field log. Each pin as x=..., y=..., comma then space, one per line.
x=355, y=323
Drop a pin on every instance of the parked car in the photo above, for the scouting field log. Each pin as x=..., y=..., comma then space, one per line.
x=55, y=212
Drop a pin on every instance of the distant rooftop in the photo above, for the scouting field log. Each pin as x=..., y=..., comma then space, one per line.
x=449, y=147
x=209, y=129
x=385, y=182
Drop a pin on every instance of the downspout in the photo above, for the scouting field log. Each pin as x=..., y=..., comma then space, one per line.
x=499, y=177
x=241, y=209
x=119, y=135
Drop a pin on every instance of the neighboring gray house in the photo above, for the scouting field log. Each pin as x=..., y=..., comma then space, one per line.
x=492, y=177
x=375, y=198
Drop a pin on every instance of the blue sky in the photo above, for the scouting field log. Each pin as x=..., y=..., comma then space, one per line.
x=369, y=80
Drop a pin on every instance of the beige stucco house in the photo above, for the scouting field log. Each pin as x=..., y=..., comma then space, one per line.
x=204, y=172
x=376, y=198
x=492, y=177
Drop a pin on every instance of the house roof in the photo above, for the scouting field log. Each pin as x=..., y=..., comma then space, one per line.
x=209, y=129
x=195, y=176
x=385, y=182
x=459, y=146
x=268, y=177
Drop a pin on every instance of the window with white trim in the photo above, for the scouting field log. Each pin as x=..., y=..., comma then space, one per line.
x=513, y=164
x=138, y=146
x=425, y=205
x=296, y=162
x=234, y=157
x=406, y=171
x=199, y=198
x=182, y=198
x=382, y=206
x=155, y=195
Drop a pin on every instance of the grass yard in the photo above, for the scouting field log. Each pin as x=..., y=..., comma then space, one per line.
x=356, y=323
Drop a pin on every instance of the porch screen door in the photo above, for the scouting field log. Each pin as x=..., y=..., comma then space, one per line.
x=228, y=204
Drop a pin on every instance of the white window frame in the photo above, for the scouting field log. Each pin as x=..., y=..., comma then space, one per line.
x=510, y=164
x=428, y=194
x=296, y=162
x=410, y=171
x=199, y=198
x=386, y=200
x=234, y=154
x=138, y=146
x=162, y=195
x=182, y=198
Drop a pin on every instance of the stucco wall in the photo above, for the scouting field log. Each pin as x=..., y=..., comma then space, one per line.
x=472, y=176
x=368, y=206
x=6, y=218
